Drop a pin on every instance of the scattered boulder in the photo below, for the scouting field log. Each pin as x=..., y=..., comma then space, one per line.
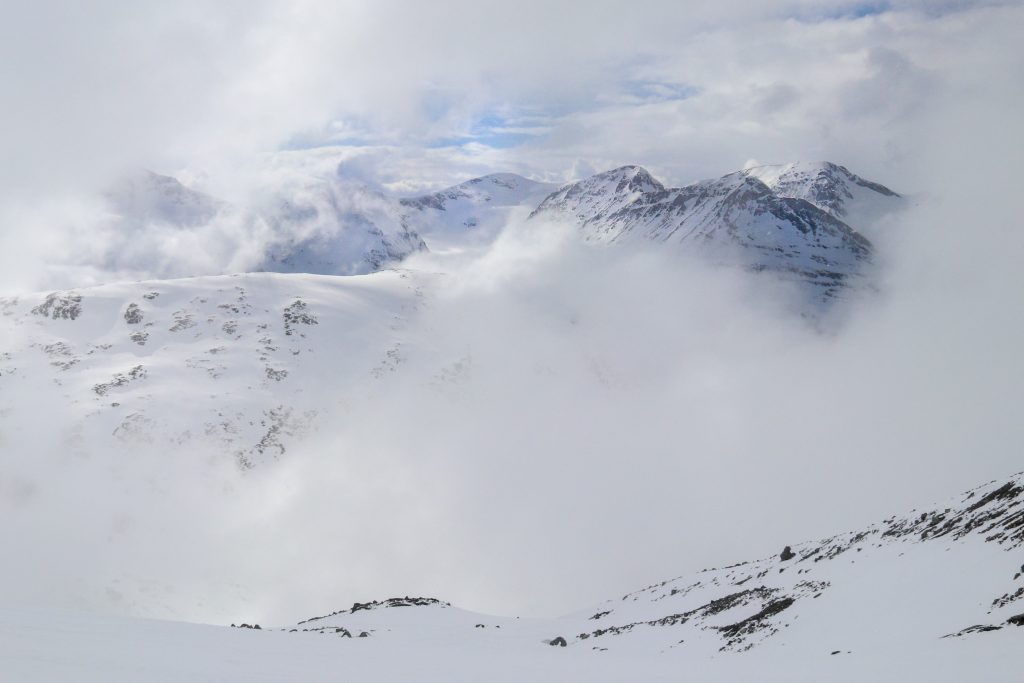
x=393, y=602
x=558, y=642
x=66, y=305
x=751, y=624
x=133, y=314
x=1007, y=491
x=977, y=628
x=297, y=314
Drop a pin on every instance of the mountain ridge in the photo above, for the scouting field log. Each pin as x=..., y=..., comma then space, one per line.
x=806, y=221
x=736, y=219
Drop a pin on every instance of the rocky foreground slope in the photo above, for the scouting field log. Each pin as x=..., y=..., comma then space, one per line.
x=932, y=595
x=955, y=570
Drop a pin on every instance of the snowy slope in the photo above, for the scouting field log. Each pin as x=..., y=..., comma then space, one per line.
x=933, y=595
x=736, y=220
x=860, y=590
x=474, y=211
x=857, y=591
x=235, y=363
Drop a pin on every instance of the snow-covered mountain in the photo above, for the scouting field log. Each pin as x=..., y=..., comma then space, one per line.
x=832, y=188
x=805, y=221
x=738, y=219
x=473, y=211
x=936, y=594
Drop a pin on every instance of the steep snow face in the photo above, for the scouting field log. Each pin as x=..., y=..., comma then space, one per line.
x=832, y=188
x=472, y=212
x=736, y=219
x=238, y=366
x=936, y=595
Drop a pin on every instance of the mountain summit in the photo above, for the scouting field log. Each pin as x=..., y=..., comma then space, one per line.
x=831, y=188
x=786, y=220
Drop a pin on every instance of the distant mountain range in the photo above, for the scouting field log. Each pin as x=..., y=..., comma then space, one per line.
x=806, y=221
x=787, y=220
